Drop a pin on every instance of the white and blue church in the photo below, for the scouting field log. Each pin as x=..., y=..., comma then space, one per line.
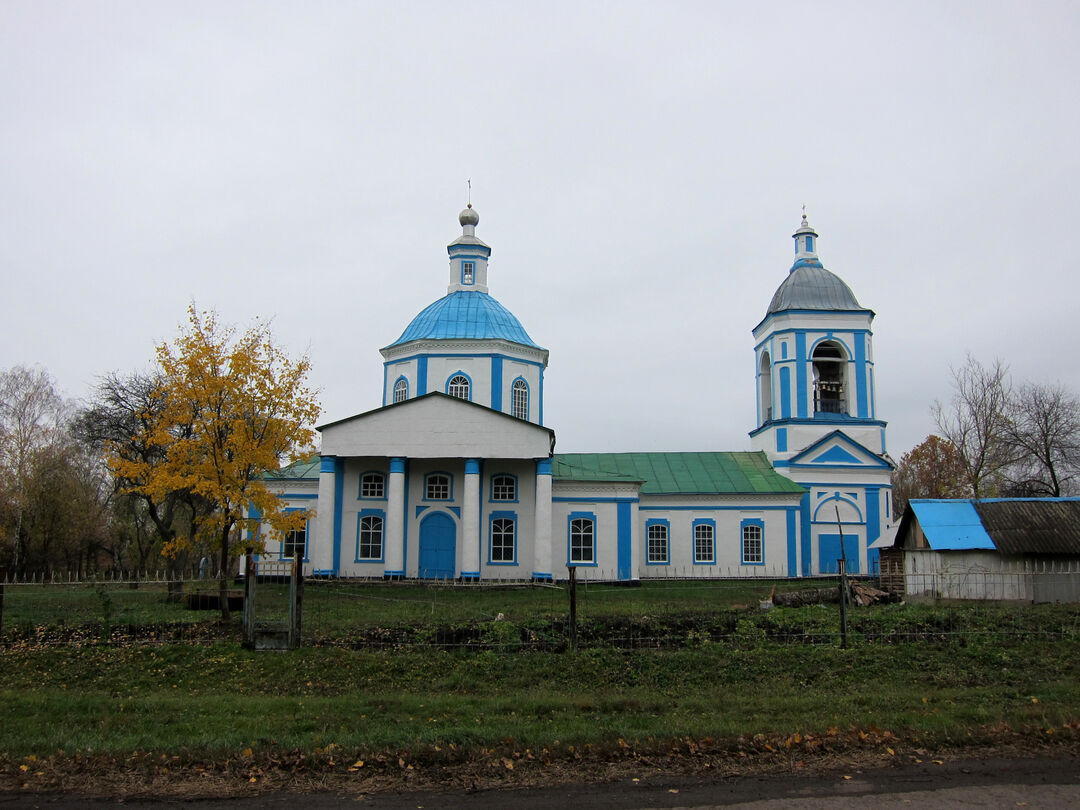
x=455, y=474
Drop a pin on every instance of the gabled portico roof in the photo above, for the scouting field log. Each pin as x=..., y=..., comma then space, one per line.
x=436, y=425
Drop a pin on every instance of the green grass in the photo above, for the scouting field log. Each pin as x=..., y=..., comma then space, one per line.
x=209, y=700
x=927, y=674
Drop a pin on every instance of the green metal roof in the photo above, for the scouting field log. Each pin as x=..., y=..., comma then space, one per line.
x=308, y=468
x=678, y=473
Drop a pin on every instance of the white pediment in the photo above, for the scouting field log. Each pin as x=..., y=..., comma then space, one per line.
x=837, y=450
x=436, y=426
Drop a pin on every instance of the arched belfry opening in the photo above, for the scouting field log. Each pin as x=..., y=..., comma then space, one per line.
x=830, y=366
x=765, y=388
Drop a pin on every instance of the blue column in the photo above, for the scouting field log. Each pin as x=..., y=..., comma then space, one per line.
x=625, y=540
x=496, y=383
x=800, y=374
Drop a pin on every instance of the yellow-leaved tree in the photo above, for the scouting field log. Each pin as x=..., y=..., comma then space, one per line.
x=232, y=407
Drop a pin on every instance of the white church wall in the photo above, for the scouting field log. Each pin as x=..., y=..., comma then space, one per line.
x=477, y=369
x=523, y=511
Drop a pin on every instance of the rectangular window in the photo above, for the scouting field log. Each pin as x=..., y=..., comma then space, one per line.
x=582, y=541
x=657, y=535
x=503, y=488
x=369, y=537
x=753, y=546
x=437, y=488
x=294, y=544
x=372, y=485
x=467, y=272
x=503, y=531
x=704, y=543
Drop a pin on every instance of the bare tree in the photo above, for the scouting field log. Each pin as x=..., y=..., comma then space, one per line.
x=976, y=422
x=31, y=414
x=1044, y=429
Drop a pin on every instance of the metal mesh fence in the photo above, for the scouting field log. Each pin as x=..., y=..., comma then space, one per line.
x=519, y=616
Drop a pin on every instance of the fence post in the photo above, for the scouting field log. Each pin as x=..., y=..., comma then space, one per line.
x=573, y=607
x=842, y=564
x=296, y=601
x=249, y=599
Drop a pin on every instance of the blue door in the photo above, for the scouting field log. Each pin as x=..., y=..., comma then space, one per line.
x=438, y=542
x=829, y=553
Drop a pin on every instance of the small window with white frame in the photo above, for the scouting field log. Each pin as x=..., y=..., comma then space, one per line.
x=657, y=537
x=753, y=544
x=503, y=488
x=294, y=544
x=401, y=390
x=437, y=487
x=372, y=485
x=704, y=542
x=468, y=270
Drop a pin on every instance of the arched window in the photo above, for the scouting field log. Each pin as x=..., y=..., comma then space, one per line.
x=765, y=387
x=401, y=390
x=520, y=399
x=582, y=540
x=503, y=531
x=829, y=366
x=458, y=386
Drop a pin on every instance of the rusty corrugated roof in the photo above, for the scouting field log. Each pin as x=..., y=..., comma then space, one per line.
x=1032, y=526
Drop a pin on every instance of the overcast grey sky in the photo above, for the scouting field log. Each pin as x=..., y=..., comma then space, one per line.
x=638, y=169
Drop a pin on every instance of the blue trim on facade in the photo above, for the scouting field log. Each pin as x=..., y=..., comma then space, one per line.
x=397, y=464
x=339, y=496
x=781, y=440
x=800, y=374
x=742, y=541
x=860, y=378
x=472, y=466
x=742, y=508
x=496, y=383
x=540, y=406
x=836, y=496
x=542, y=577
x=792, y=555
x=502, y=515
x=873, y=527
x=363, y=513
x=543, y=466
x=421, y=375
x=570, y=518
x=423, y=356
x=297, y=496
x=326, y=464
x=804, y=532
x=785, y=392
x=624, y=528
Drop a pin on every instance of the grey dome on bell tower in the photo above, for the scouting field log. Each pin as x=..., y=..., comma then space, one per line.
x=809, y=285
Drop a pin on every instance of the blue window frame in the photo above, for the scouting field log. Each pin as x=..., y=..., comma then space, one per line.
x=373, y=486
x=370, y=528
x=401, y=390
x=504, y=488
x=704, y=541
x=753, y=541
x=502, y=538
x=581, y=539
x=657, y=550
x=438, y=486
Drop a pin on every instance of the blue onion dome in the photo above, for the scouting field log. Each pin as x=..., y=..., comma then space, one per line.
x=466, y=315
